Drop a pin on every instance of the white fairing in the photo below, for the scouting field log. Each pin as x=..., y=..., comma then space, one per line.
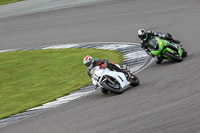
x=98, y=74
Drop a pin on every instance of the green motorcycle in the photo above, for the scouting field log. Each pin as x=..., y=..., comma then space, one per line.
x=160, y=49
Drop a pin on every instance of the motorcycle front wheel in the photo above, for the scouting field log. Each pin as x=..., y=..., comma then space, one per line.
x=114, y=88
x=158, y=60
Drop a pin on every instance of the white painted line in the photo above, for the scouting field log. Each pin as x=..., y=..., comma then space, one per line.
x=135, y=55
x=114, y=46
x=62, y=46
x=4, y=51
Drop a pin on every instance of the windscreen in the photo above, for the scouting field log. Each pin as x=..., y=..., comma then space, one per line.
x=153, y=43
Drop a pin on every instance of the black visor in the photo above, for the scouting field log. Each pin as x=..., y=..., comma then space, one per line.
x=143, y=37
x=88, y=64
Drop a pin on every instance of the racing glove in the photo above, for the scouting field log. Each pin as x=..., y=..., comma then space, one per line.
x=103, y=66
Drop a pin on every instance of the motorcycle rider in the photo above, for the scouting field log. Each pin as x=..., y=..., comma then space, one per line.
x=90, y=63
x=146, y=36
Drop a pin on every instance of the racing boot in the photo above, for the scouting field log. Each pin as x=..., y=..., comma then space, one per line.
x=124, y=69
x=169, y=37
x=176, y=41
x=104, y=91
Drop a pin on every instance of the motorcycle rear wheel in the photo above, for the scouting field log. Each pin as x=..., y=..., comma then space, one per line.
x=174, y=57
x=184, y=52
x=135, y=81
x=108, y=86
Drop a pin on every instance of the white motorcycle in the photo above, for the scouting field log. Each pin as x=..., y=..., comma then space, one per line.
x=115, y=82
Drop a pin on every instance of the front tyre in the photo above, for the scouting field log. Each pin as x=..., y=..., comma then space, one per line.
x=114, y=88
x=174, y=57
x=158, y=60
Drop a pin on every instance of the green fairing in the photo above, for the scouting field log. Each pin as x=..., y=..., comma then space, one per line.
x=162, y=43
x=179, y=51
x=163, y=46
x=162, y=49
x=167, y=49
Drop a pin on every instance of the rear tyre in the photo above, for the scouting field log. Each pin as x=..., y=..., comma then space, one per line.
x=184, y=52
x=116, y=88
x=174, y=57
x=135, y=80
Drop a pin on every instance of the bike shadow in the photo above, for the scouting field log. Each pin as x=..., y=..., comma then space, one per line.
x=167, y=62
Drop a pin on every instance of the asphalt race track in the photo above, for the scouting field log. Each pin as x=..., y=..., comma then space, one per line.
x=168, y=98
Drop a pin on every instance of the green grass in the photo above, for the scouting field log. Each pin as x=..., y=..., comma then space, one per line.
x=32, y=78
x=2, y=2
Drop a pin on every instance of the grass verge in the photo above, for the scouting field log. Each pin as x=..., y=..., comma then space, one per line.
x=32, y=78
x=3, y=2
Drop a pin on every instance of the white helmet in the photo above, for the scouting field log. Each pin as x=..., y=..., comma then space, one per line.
x=142, y=34
x=88, y=62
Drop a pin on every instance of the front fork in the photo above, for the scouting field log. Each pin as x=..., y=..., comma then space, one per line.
x=109, y=80
x=127, y=68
